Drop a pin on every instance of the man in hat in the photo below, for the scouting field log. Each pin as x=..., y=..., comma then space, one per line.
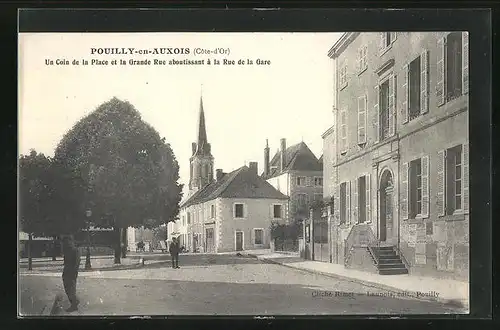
x=70, y=271
x=174, y=252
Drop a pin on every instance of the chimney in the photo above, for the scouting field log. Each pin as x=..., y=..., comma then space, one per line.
x=219, y=174
x=283, y=154
x=266, y=159
x=193, y=147
x=254, y=166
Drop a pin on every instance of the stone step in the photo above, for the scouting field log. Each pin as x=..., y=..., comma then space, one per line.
x=389, y=260
x=393, y=271
x=391, y=266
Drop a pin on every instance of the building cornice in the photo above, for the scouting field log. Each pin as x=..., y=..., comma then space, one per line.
x=327, y=132
x=342, y=43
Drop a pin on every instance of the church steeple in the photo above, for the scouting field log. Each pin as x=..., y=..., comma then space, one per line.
x=202, y=161
x=202, y=131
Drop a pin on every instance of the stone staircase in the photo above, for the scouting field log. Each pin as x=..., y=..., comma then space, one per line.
x=388, y=262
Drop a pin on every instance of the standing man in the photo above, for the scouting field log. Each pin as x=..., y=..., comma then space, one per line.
x=70, y=271
x=174, y=252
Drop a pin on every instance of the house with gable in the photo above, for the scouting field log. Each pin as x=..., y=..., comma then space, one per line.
x=231, y=212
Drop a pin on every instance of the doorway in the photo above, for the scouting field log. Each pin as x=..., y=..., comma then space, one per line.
x=386, y=206
x=239, y=241
x=210, y=243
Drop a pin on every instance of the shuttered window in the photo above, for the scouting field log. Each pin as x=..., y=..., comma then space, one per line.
x=343, y=202
x=404, y=191
x=452, y=66
x=362, y=119
x=386, y=40
x=453, y=180
x=418, y=185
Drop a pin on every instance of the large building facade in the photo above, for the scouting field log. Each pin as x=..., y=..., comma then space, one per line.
x=396, y=160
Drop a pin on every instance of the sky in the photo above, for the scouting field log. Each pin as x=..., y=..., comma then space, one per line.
x=244, y=104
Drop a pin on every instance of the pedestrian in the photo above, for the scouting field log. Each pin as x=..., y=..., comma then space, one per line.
x=174, y=252
x=70, y=271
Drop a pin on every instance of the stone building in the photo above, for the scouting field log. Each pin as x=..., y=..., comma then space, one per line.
x=396, y=158
x=296, y=172
x=232, y=212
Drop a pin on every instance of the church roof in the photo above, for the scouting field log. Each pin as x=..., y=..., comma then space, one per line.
x=241, y=183
x=297, y=157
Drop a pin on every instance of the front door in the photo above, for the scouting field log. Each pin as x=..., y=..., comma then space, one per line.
x=239, y=241
x=386, y=215
x=209, y=234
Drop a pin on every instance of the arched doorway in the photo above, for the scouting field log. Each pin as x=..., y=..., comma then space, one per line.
x=386, y=206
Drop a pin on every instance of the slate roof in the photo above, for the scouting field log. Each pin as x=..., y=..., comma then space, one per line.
x=298, y=157
x=241, y=183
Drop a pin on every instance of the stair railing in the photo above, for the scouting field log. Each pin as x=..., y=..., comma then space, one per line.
x=348, y=245
x=373, y=242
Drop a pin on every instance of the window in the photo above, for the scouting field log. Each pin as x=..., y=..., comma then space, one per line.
x=386, y=40
x=238, y=211
x=343, y=202
x=362, y=62
x=414, y=88
x=318, y=181
x=184, y=220
x=453, y=63
x=301, y=181
x=277, y=211
x=384, y=109
x=428, y=228
x=188, y=219
x=258, y=236
x=454, y=179
x=417, y=187
x=212, y=211
x=452, y=66
x=361, y=199
x=343, y=75
x=301, y=200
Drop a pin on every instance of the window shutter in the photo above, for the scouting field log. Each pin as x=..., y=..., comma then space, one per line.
x=368, y=196
x=425, y=187
x=440, y=85
x=336, y=204
x=362, y=119
x=465, y=62
x=358, y=59
x=343, y=128
x=465, y=177
x=392, y=103
x=348, y=201
x=404, y=191
x=355, y=201
x=404, y=108
x=376, y=114
x=441, y=183
x=383, y=41
x=424, y=82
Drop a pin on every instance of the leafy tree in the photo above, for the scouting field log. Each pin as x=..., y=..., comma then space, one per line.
x=130, y=171
x=47, y=203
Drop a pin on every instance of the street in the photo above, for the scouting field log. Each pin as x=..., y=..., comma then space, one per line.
x=214, y=285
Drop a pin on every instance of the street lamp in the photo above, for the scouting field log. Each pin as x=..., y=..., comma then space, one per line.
x=88, y=265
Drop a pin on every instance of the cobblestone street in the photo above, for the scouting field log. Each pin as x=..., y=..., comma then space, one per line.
x=214, y=285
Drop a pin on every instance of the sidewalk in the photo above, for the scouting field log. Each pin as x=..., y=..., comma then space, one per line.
x=426, y=288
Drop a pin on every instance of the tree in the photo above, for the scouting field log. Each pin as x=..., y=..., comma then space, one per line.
x=33, y=169
x=130, y=172
x=47, y=199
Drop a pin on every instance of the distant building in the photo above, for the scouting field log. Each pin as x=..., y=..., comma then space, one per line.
x=296, y=172
x=232, y=212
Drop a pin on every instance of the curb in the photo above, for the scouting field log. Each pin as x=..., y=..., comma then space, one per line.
x=449, y=302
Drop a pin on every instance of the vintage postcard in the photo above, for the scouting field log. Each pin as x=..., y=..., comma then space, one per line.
x=243, y=173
